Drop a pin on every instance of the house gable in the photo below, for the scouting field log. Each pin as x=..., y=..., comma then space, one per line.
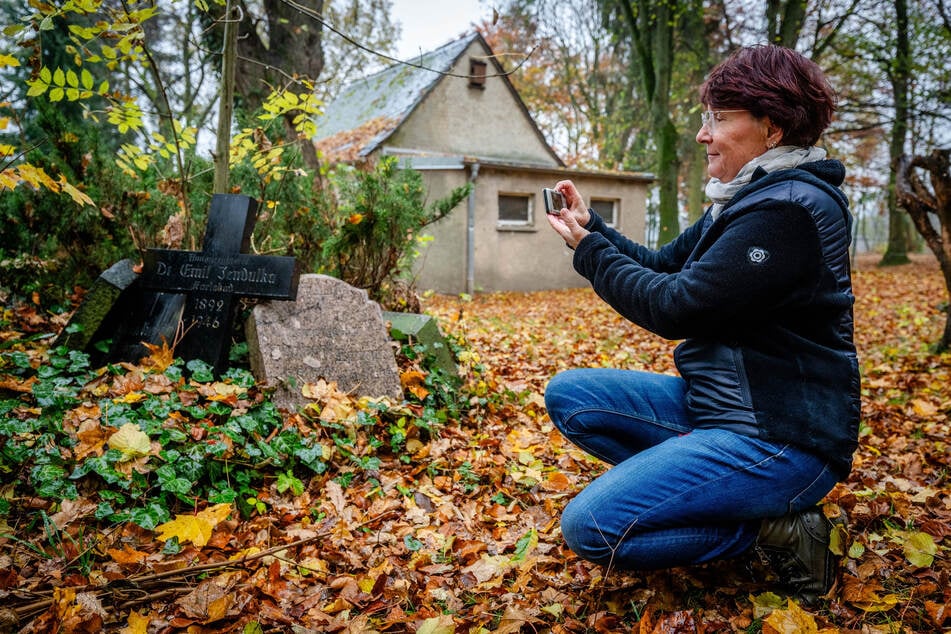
x=488, y=120
x=429, y=106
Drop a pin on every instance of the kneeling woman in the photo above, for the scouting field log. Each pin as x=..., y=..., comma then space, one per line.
x=736, y=452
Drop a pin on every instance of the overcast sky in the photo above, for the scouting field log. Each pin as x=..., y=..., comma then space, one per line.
x=427, y=24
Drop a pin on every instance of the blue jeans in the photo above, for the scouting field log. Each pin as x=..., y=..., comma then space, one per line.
x=676, y=495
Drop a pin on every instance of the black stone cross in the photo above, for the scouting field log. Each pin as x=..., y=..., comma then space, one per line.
x=212, y=279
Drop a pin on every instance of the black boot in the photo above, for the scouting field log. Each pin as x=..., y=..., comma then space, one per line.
x=797, y=547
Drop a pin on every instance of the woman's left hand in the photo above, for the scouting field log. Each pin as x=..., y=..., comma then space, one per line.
x=569, y=223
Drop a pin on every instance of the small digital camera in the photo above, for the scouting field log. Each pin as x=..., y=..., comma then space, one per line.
x=554, y=201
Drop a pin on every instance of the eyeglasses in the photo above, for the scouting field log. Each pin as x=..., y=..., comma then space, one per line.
x=709, y=118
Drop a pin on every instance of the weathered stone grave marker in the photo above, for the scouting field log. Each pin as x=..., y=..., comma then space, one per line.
x=213, y=278
x=331, y=332
x=102, y=295
x=424, y=330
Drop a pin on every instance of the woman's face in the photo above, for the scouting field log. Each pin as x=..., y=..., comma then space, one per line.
x=733, y=138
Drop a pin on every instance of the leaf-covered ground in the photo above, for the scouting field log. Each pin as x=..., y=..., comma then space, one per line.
x=457, y=530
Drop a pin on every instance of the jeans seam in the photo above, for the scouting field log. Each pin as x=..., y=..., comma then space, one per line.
x=627, y=415
x=680, y=493
x=793, y=502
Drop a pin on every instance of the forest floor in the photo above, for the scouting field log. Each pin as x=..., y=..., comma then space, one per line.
x=452, y=527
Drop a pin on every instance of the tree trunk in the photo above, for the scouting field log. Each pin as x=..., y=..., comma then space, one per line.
x=784, y=21
x=652, y=29
x=667, y=172
x=696, y=178
x=897, y=251
x=922, y=204
x=276, y=49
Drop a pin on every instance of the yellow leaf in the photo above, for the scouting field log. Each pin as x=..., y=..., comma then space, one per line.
x=765, y=603
x=366, y=584
x=442, y=624
x=129, y=398
x=923, y=408
x=196, y=528
x=838, y=539
x=919, y=549
x=78, y=196
x=8, y=60
x=131, y=441
x=137, y=624
x=160, y=356
x=795, y=620
x=226, y=390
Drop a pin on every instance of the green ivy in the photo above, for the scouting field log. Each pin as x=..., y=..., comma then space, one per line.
x=207, y=448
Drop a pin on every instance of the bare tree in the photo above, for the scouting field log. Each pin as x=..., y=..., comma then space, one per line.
x=927, y=204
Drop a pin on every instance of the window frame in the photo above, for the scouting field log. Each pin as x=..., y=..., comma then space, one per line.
x=615, y=208
x=528, y=223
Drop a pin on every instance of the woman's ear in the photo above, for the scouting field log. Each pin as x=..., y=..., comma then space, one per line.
x=774, y=134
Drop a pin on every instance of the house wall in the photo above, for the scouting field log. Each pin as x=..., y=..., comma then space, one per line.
x=520, y=258
x=441, y=265
x=458, y=119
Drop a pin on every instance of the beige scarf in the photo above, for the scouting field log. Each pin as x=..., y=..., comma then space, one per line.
x=780, y=158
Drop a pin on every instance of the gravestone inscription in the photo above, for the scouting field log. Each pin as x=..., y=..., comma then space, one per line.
x=211, y=280
x=331, y=332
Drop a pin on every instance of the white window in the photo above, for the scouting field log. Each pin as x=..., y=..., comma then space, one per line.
x=515, y=210
x=606, y=208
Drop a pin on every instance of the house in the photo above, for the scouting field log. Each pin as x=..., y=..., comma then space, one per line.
x=454, y=115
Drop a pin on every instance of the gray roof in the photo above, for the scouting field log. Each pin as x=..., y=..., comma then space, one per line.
x=389, y=96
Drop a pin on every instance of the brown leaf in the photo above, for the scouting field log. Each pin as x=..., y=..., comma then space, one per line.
x=127, y=555
x=213, y=599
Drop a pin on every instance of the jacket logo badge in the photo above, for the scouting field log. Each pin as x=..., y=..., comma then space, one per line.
x=757, y=255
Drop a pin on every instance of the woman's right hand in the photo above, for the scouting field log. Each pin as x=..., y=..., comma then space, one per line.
x=570, y=223
x=575, y=201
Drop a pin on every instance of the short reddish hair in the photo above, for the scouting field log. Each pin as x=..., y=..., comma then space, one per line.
x=775, y=82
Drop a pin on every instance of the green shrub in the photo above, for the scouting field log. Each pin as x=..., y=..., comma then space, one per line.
x=381, y=211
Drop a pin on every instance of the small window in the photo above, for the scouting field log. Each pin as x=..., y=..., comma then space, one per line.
x=607, y=209
x=515, y=209
x=477, y=73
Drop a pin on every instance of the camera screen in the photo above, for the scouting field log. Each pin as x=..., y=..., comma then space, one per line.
x=554, y=201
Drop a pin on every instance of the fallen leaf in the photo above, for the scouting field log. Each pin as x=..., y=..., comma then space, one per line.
x=127, y=555
x=442, y=624
x=196, y=528
x=793, y=620
x=919, y=548
x=136, y=624
x=131, y=441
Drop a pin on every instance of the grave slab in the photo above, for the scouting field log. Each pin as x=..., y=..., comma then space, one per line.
x=84, y=325
x=424, y=330
x=332, y=331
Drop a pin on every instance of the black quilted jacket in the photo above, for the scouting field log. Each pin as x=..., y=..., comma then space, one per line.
x=762, y=298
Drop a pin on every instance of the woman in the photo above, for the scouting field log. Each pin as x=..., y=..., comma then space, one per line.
x=735, y=453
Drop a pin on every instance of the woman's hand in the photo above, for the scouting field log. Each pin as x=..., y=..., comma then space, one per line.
x=570, y=223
